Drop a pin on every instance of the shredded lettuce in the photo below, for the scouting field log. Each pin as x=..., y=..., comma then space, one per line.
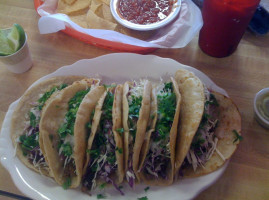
x=204, y=142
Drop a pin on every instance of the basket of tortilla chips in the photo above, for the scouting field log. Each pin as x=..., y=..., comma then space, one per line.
x=91, y=21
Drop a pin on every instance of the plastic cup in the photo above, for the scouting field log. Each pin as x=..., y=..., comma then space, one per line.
x=20, y=61
x=225, y=22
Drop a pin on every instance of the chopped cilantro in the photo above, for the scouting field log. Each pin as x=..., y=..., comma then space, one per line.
x=212, y=100
x=143, y=198
x=94, y=167
x=166, y=112
x=197, y=141
x=63, y=130
x=101, y=196
x=33, y=120
x=94, y=153
x=168, y=87
x=67, y=183
x=134, y=109
x=106, y=117
x=100, y=140
x=111, y=158
x=107, y=107
x=70, y=116
x=119, y=150
x=102, y=186
x=67, y=149
x=92, y=114
x=120, y=131
x=237, y=136
x=146, y=189
x=47, y=95
x=89, y=125
x=204, y=120
x=28, y=142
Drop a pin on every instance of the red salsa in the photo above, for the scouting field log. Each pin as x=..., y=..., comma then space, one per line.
x=144, y=11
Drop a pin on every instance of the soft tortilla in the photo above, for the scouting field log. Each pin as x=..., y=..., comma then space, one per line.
x=191, y=111
x=20, y=115
x=149, y=179
x=229, y=120
x=52, y=117
x=78, y=7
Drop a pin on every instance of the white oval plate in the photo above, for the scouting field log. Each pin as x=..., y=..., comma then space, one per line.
x=118, y=67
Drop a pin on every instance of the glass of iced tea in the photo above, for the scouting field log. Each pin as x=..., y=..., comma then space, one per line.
x=225, y=22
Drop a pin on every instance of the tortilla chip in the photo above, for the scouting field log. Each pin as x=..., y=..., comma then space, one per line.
x=95, y=22
x=107, y=13
x=192, y=108
x=229, y=120
x=20, y=116
x=96, y=7
x=77, y=8
x=69, y=2
x=107, y=2
x=80, y=20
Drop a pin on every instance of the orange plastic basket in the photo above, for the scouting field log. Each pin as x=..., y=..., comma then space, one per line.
x=115, y=46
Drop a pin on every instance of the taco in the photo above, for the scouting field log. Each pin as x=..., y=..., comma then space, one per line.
x=209, y=123
x=63, y=138
x=191, y=112
x=217, y=137
x=25, y=122
x=136, y=113
x=104, y=163
x=158, y=153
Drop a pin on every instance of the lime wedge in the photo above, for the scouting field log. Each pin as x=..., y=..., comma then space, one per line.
x=5, y=49
x=11, y=40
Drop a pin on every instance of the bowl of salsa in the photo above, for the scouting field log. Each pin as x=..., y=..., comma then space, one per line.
x=145, y=15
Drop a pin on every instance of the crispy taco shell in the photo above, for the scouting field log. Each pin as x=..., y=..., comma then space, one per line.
x=192, y=107
x=150, y=179
x=83, y=117
x=20, y=116
x=117, y=124
x=53, y=116
x=142, y=123
x=229, y=121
